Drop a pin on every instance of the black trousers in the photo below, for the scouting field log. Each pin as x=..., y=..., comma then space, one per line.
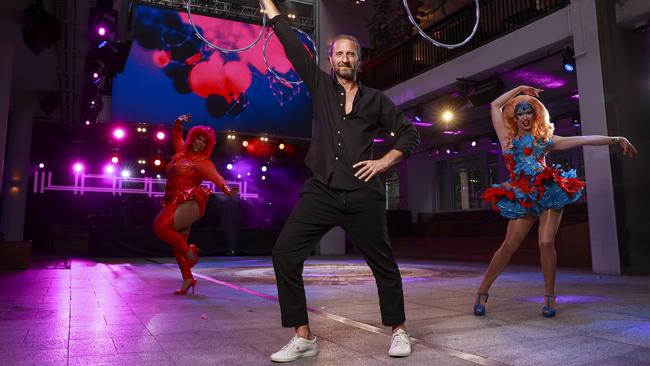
x=362, y=214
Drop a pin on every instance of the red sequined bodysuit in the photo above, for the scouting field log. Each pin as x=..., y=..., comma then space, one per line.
x=185, y=173
x=188, y=169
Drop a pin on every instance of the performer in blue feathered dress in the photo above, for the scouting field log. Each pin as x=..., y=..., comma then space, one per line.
x=534, y=190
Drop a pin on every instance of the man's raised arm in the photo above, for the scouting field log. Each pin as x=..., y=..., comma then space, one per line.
x=295, y=50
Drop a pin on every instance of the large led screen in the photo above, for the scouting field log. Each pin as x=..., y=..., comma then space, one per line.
x=170, y=71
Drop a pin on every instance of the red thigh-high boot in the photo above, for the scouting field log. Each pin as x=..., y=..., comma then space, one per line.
x=183, y=263
x=163, y=227
x=186, y=270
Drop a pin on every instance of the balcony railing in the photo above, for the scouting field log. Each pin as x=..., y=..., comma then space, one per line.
x=417, y=55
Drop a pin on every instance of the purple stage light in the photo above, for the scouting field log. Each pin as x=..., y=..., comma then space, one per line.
x=109, y=169
x=101, y=31
x=264, y=168
x=125, y=173
x=263, y=177
x=473, y=143
x=229, y=166
x=119, y=133
x=452, y=132
x=423, y=124
x=160, y=135
x=41, y=165
x=570, y=299
x=377, y=140
x=537, y=78
x=95, y=75
x=78, y=167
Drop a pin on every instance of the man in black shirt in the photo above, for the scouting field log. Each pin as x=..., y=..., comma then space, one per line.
x=345, y=189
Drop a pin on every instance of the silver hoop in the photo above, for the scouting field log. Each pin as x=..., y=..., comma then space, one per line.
x=225, y=50
x=266, y=61
x=436, y=43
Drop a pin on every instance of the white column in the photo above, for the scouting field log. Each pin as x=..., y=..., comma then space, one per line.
x=600, y=199
x=419, y=187
x=333, y=243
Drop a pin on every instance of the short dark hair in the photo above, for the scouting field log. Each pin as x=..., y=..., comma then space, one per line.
x=349, y=38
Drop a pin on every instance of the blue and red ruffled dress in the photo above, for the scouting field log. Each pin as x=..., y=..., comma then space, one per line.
x=533, y=186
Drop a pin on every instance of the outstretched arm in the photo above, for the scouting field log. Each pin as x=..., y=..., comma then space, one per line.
x=300, y=58
x=177, y=132
x=496, y=110
x=565, y=143
x=209, y=171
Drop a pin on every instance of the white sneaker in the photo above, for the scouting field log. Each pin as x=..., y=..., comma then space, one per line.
x=400, y=344
x=297, y=348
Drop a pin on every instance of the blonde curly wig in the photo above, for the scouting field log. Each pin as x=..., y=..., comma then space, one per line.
x=542, y=126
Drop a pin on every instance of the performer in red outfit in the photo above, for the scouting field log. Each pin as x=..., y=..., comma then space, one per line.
x=185, y=198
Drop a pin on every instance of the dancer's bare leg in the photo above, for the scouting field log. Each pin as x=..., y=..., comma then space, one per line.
x=549, y=222
x=517, y=231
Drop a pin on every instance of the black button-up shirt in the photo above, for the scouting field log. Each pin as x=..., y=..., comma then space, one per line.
x=340, y=140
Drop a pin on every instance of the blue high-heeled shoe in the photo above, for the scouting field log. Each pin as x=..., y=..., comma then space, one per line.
x=479, y=309
x=547, y=310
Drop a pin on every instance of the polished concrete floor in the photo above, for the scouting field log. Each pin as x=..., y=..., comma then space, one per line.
x=123, y=312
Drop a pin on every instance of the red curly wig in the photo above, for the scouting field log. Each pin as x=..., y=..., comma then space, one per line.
x=542, y=126
x=210, y=140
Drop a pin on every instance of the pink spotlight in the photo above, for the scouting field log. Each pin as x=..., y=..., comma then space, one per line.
x=41, y=165
x=87, y=122
x=160, y=135
x=115, y=160
x=101, y=31
x=95, y=75
x=78, y=167
x=118, y=133
x=109, y=169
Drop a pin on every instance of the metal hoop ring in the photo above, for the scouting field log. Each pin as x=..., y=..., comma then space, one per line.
x=225, y=50
x=266, y=61
x=436, y=43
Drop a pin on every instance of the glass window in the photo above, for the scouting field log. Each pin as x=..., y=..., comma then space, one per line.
x=468, y=182
x=392, y=191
